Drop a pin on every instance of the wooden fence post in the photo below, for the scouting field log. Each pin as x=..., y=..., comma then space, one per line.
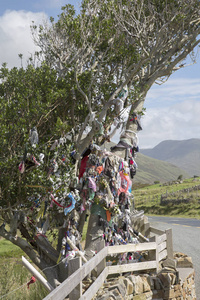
x=147, y=229
x=73, y=265
x=100, y=245
x=144, y=225
x=157, y=254
x=154, y=255
x=169, y=241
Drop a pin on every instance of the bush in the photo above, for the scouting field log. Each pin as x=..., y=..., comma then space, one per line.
x=156, y=182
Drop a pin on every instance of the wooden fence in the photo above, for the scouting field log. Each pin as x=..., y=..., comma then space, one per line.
x=158, y=248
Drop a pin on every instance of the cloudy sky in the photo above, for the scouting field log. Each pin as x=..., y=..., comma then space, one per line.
x=172, y=109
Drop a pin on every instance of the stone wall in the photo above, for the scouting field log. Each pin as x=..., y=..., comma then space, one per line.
x=174, y=281
x=178, y=197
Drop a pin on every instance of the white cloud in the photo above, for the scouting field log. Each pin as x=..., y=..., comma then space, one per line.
x=174, y=90
x=177, y=122
x=15, y=36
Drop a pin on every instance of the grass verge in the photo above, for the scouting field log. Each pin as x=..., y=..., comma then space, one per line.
x=14, y=276
x=148, y=198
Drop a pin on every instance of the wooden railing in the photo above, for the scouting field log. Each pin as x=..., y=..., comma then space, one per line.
x=159, y=247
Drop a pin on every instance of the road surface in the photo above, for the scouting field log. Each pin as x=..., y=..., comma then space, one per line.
x=186, y=239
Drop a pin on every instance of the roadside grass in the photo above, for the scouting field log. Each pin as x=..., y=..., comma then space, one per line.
x=148, y=199
x=181, y=210
x=14, y=276
x=8, y=249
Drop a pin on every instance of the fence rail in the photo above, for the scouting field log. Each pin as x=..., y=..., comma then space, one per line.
x=159, y=247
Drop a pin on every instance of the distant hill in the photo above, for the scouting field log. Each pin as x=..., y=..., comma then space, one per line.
x=184, y=154
x=150, y=169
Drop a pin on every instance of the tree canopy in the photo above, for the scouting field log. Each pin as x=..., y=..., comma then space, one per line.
x=96, y=64
x=113, y=44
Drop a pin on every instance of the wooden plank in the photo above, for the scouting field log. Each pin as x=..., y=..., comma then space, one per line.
x=73, y=265
x=135, y=216
x=144, y=225
x=138, y=214
x=147, y=265
x=70, y=283
x=156, y=231
x=152, y=239
x=93, y=262
x=147, y=229
x=100, y=245
x=135, y=223
x=157, y=254
x=162, y=238
x=170, y=253
x=73, y=247
x=162, y=255
x=162, y=247
x=157, y=246
x=97, y=284
x=141, y=221
x=131, y=248
x=152, y=253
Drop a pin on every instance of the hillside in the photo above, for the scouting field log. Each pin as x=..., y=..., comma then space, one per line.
x=184, y=154
x=150, y=170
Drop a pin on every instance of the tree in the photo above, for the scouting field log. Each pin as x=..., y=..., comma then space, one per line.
x=97, y=64
x=180, y=177
x=134, y=43
x=31, y=97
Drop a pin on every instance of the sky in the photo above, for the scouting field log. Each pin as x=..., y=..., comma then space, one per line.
x=172, y=109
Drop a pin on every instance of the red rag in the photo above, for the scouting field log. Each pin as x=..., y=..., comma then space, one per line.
x=83, y=166
x=31, y=281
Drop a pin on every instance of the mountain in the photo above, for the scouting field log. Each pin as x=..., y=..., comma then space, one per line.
x=184, y=154
x=150, y=170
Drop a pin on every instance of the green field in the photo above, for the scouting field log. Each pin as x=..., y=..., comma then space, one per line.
x=14, y=276
x=148, y=198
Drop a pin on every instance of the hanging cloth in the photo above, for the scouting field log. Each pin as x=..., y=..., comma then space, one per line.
x=70, y=207
x=83, y=166
x=125, y=183
x=130, y=140
x=92, y=184
x=33, y=279
x=108, y=169
x=108, y=215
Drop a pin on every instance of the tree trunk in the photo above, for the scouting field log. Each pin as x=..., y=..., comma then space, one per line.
x=81, y=222
x=94, y=234
x=131, y=127
x=61, y=234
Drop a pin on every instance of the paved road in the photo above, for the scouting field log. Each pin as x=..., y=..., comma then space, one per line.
x=186, y=239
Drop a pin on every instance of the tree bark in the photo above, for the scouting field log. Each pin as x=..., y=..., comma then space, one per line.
x=81, y=222
x=94, y=234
